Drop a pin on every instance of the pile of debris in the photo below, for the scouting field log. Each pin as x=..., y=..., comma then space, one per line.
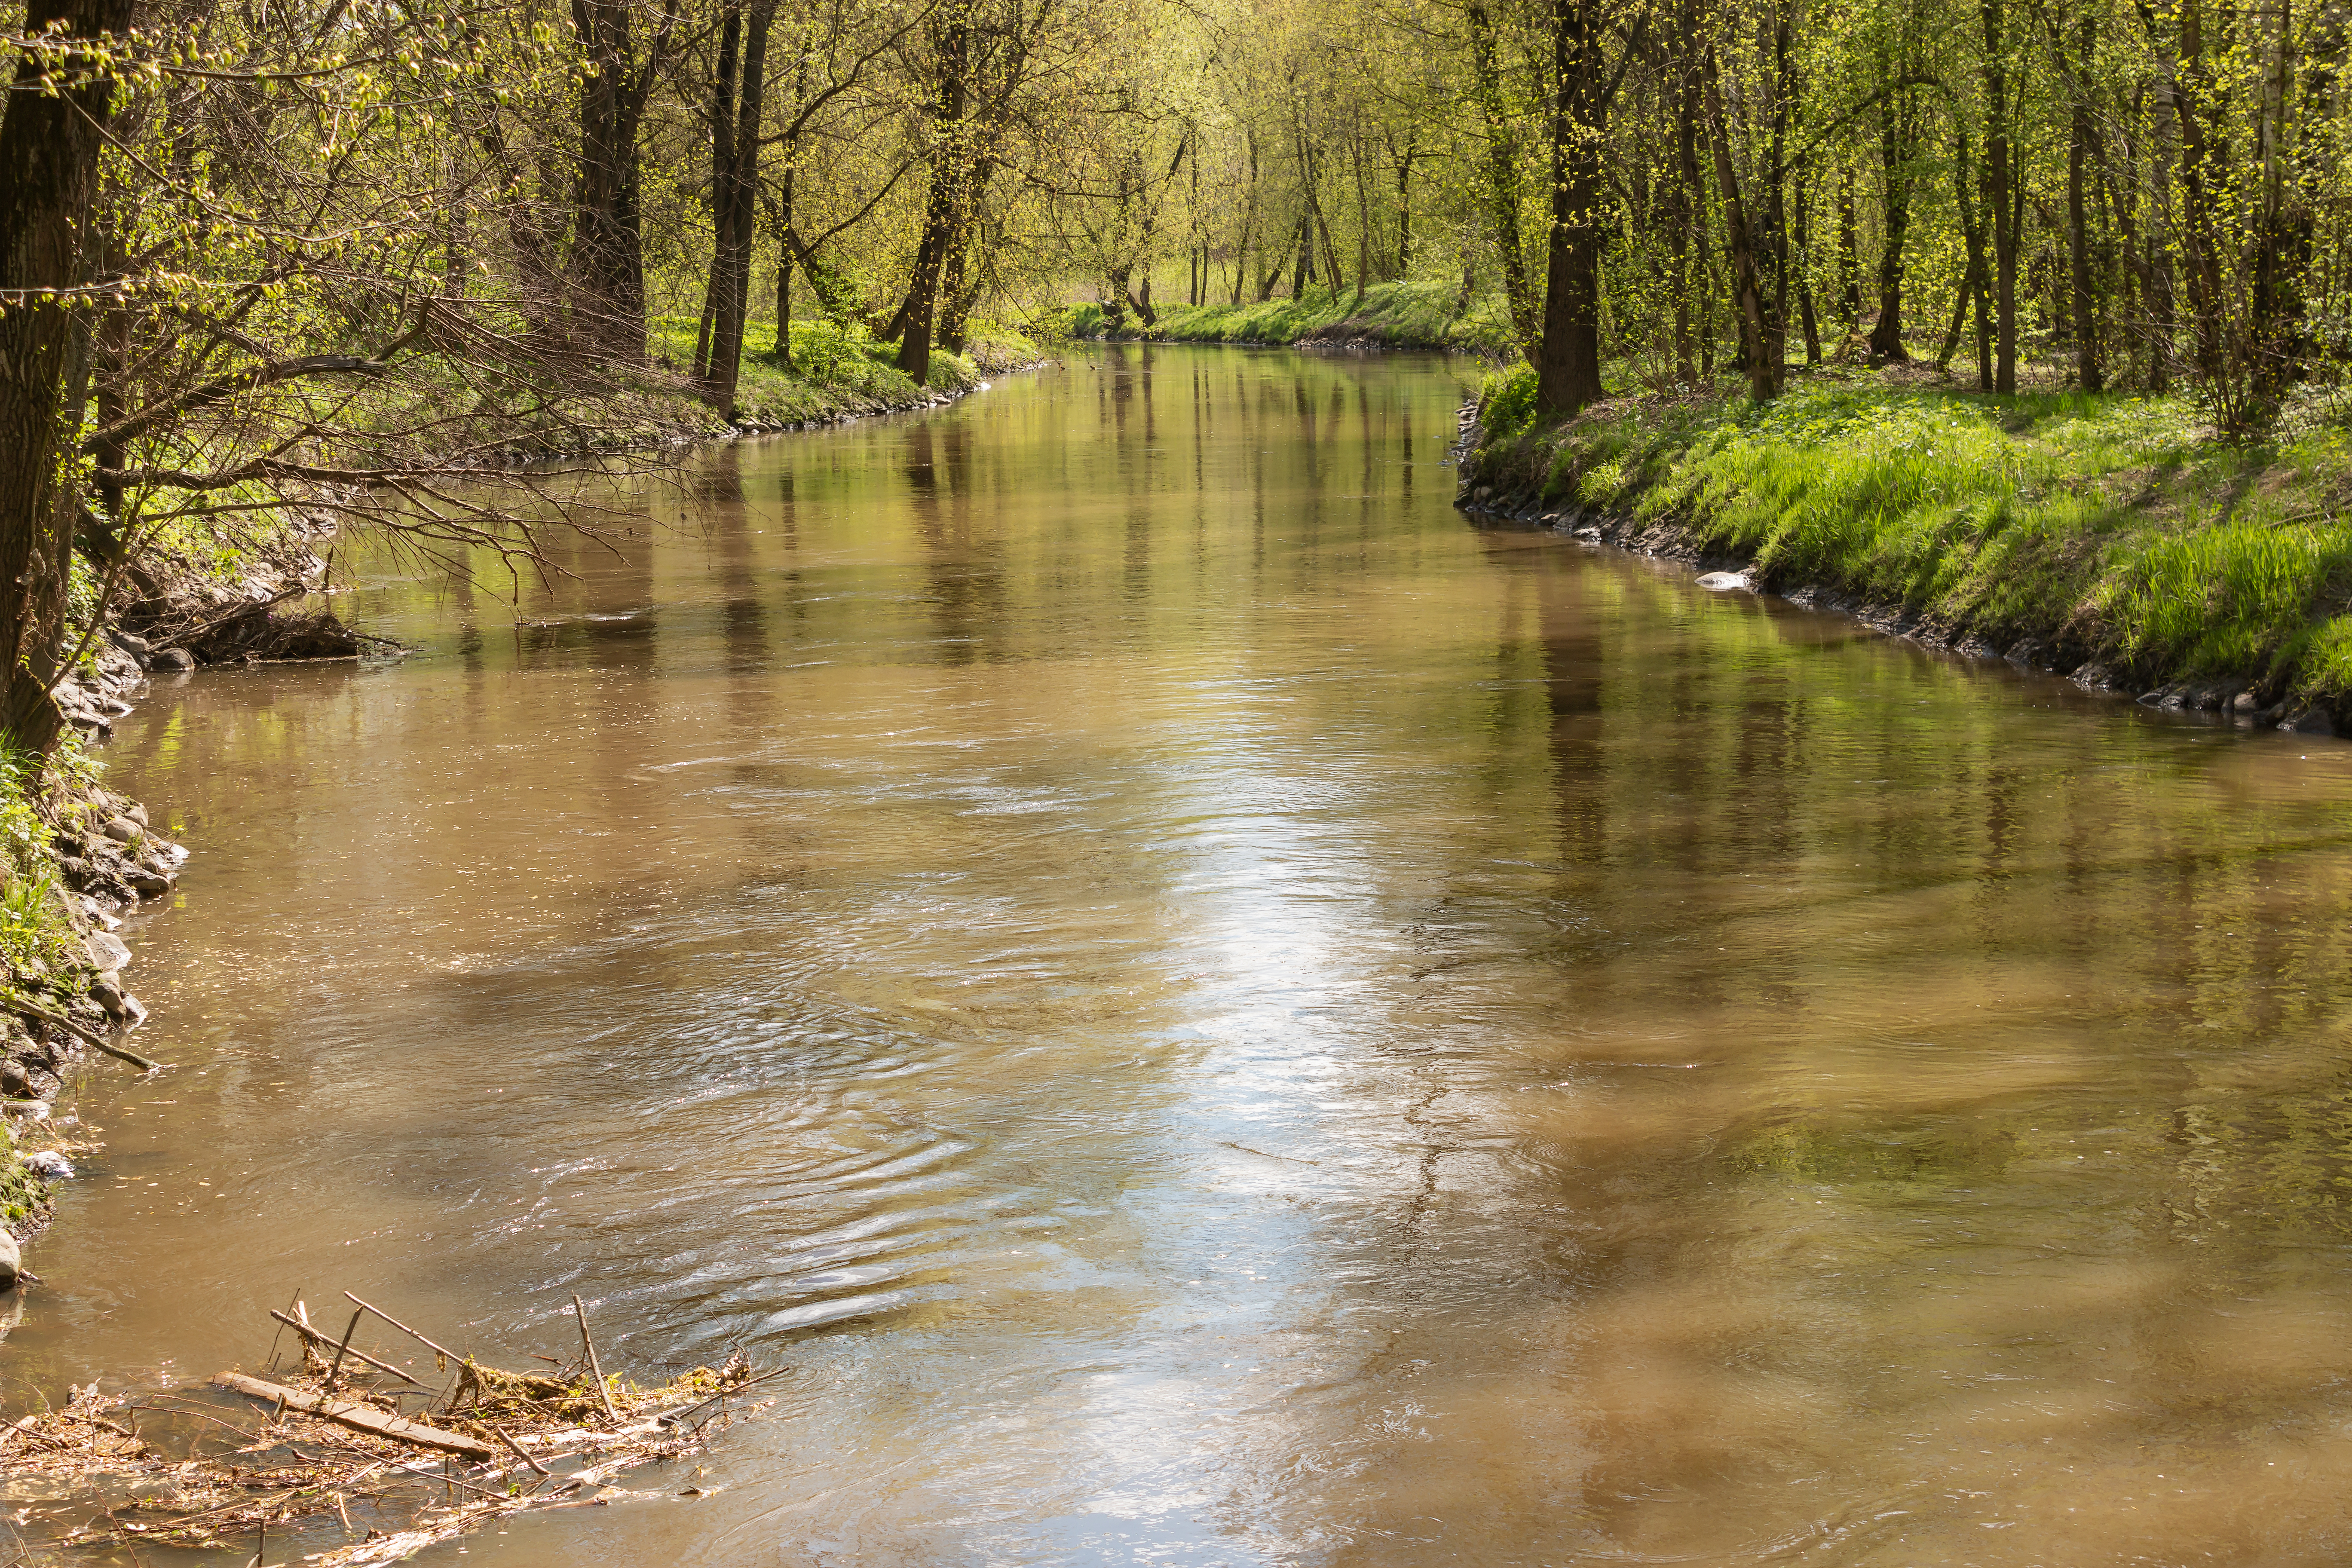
x=354, y=1445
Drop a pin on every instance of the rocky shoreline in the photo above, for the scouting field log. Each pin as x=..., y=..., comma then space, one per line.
x=2236, y=698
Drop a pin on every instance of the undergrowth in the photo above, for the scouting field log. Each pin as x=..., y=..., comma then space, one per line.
x=2116, y=520
x=1407, y=313
x=839, y=369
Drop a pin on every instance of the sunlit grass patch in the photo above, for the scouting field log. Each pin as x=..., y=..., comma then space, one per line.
x=2115, y=520
x=1403, y=313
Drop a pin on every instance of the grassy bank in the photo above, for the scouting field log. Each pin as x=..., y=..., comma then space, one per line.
x=2109, y=535
x=1405, y=314
x=834, y=372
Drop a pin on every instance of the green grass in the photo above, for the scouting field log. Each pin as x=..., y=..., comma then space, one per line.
x=1409, y=313
x=837, y=370
x=2113, y=523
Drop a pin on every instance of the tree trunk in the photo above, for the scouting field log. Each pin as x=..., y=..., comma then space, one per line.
x=1404, y=161
x=50, y=137
x=939, y=209
x=738, y=185
x=1739, y=246
x=1501, y=169
x=1894, y=156
x=1999, y=197
x=1849, y=248
x=605, y=270
x=2088, y=370
x=1568, y=370
x=1249, y=223
x=1806, y=317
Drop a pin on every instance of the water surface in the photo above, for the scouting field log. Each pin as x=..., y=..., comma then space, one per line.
x=1216, y=1014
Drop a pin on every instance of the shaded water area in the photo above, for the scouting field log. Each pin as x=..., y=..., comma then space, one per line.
x=1215, y=1013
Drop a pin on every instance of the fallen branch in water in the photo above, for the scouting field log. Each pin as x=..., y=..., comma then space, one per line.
x=358, y=1417
x=90, y=1037
x=499, y=1443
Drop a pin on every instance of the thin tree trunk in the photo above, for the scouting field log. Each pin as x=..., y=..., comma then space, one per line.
x=1739, y=246
x=1894, y=156
x=2088, y=370
x=2000, y=198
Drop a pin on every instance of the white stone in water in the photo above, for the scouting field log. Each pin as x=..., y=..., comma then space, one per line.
x=1720, y=582
x=49, y=1165
x=11, y=1259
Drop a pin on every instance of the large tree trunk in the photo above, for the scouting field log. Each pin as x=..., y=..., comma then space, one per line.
x=49, y=139
x=607, y=269
x=1568, y=373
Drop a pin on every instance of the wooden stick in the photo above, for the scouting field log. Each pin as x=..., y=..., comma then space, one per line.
x=441, y=1350
x=308, y=1332
x=87, y=1036
x=359, y=1418
x=511, y=1442
x=335, y=1371
x=595, y=1370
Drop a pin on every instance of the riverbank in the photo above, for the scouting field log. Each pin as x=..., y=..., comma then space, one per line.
x=2109, y=537
x=75, y=859
x=1406, y=314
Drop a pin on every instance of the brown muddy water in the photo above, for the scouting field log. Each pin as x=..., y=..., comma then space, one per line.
x=1215, y=1013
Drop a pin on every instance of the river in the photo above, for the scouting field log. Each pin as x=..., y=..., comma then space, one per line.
x=1215, y=1013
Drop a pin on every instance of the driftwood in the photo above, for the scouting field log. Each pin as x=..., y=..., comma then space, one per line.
x=90, y=1037
x=602, y=1392
x=358, y=1417
x=316, y=1338
x=443, y=1352
x=492, y=1445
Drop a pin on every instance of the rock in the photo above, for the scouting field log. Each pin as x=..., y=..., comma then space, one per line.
x=33, y=1110
x=136, y=648
x=2314, y=722
x=137, y=814
x=2245, y=702
x=15, y=1081
x=148, y=884
x=171, y=658
x=49, y=1165
x=122, y=830
x=108, y=953
x=12, y=1261
x=1725, y=582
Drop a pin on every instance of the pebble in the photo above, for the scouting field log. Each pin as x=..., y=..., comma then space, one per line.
x=1721, y=582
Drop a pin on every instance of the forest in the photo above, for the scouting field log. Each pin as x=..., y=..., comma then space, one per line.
x=340, y=256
